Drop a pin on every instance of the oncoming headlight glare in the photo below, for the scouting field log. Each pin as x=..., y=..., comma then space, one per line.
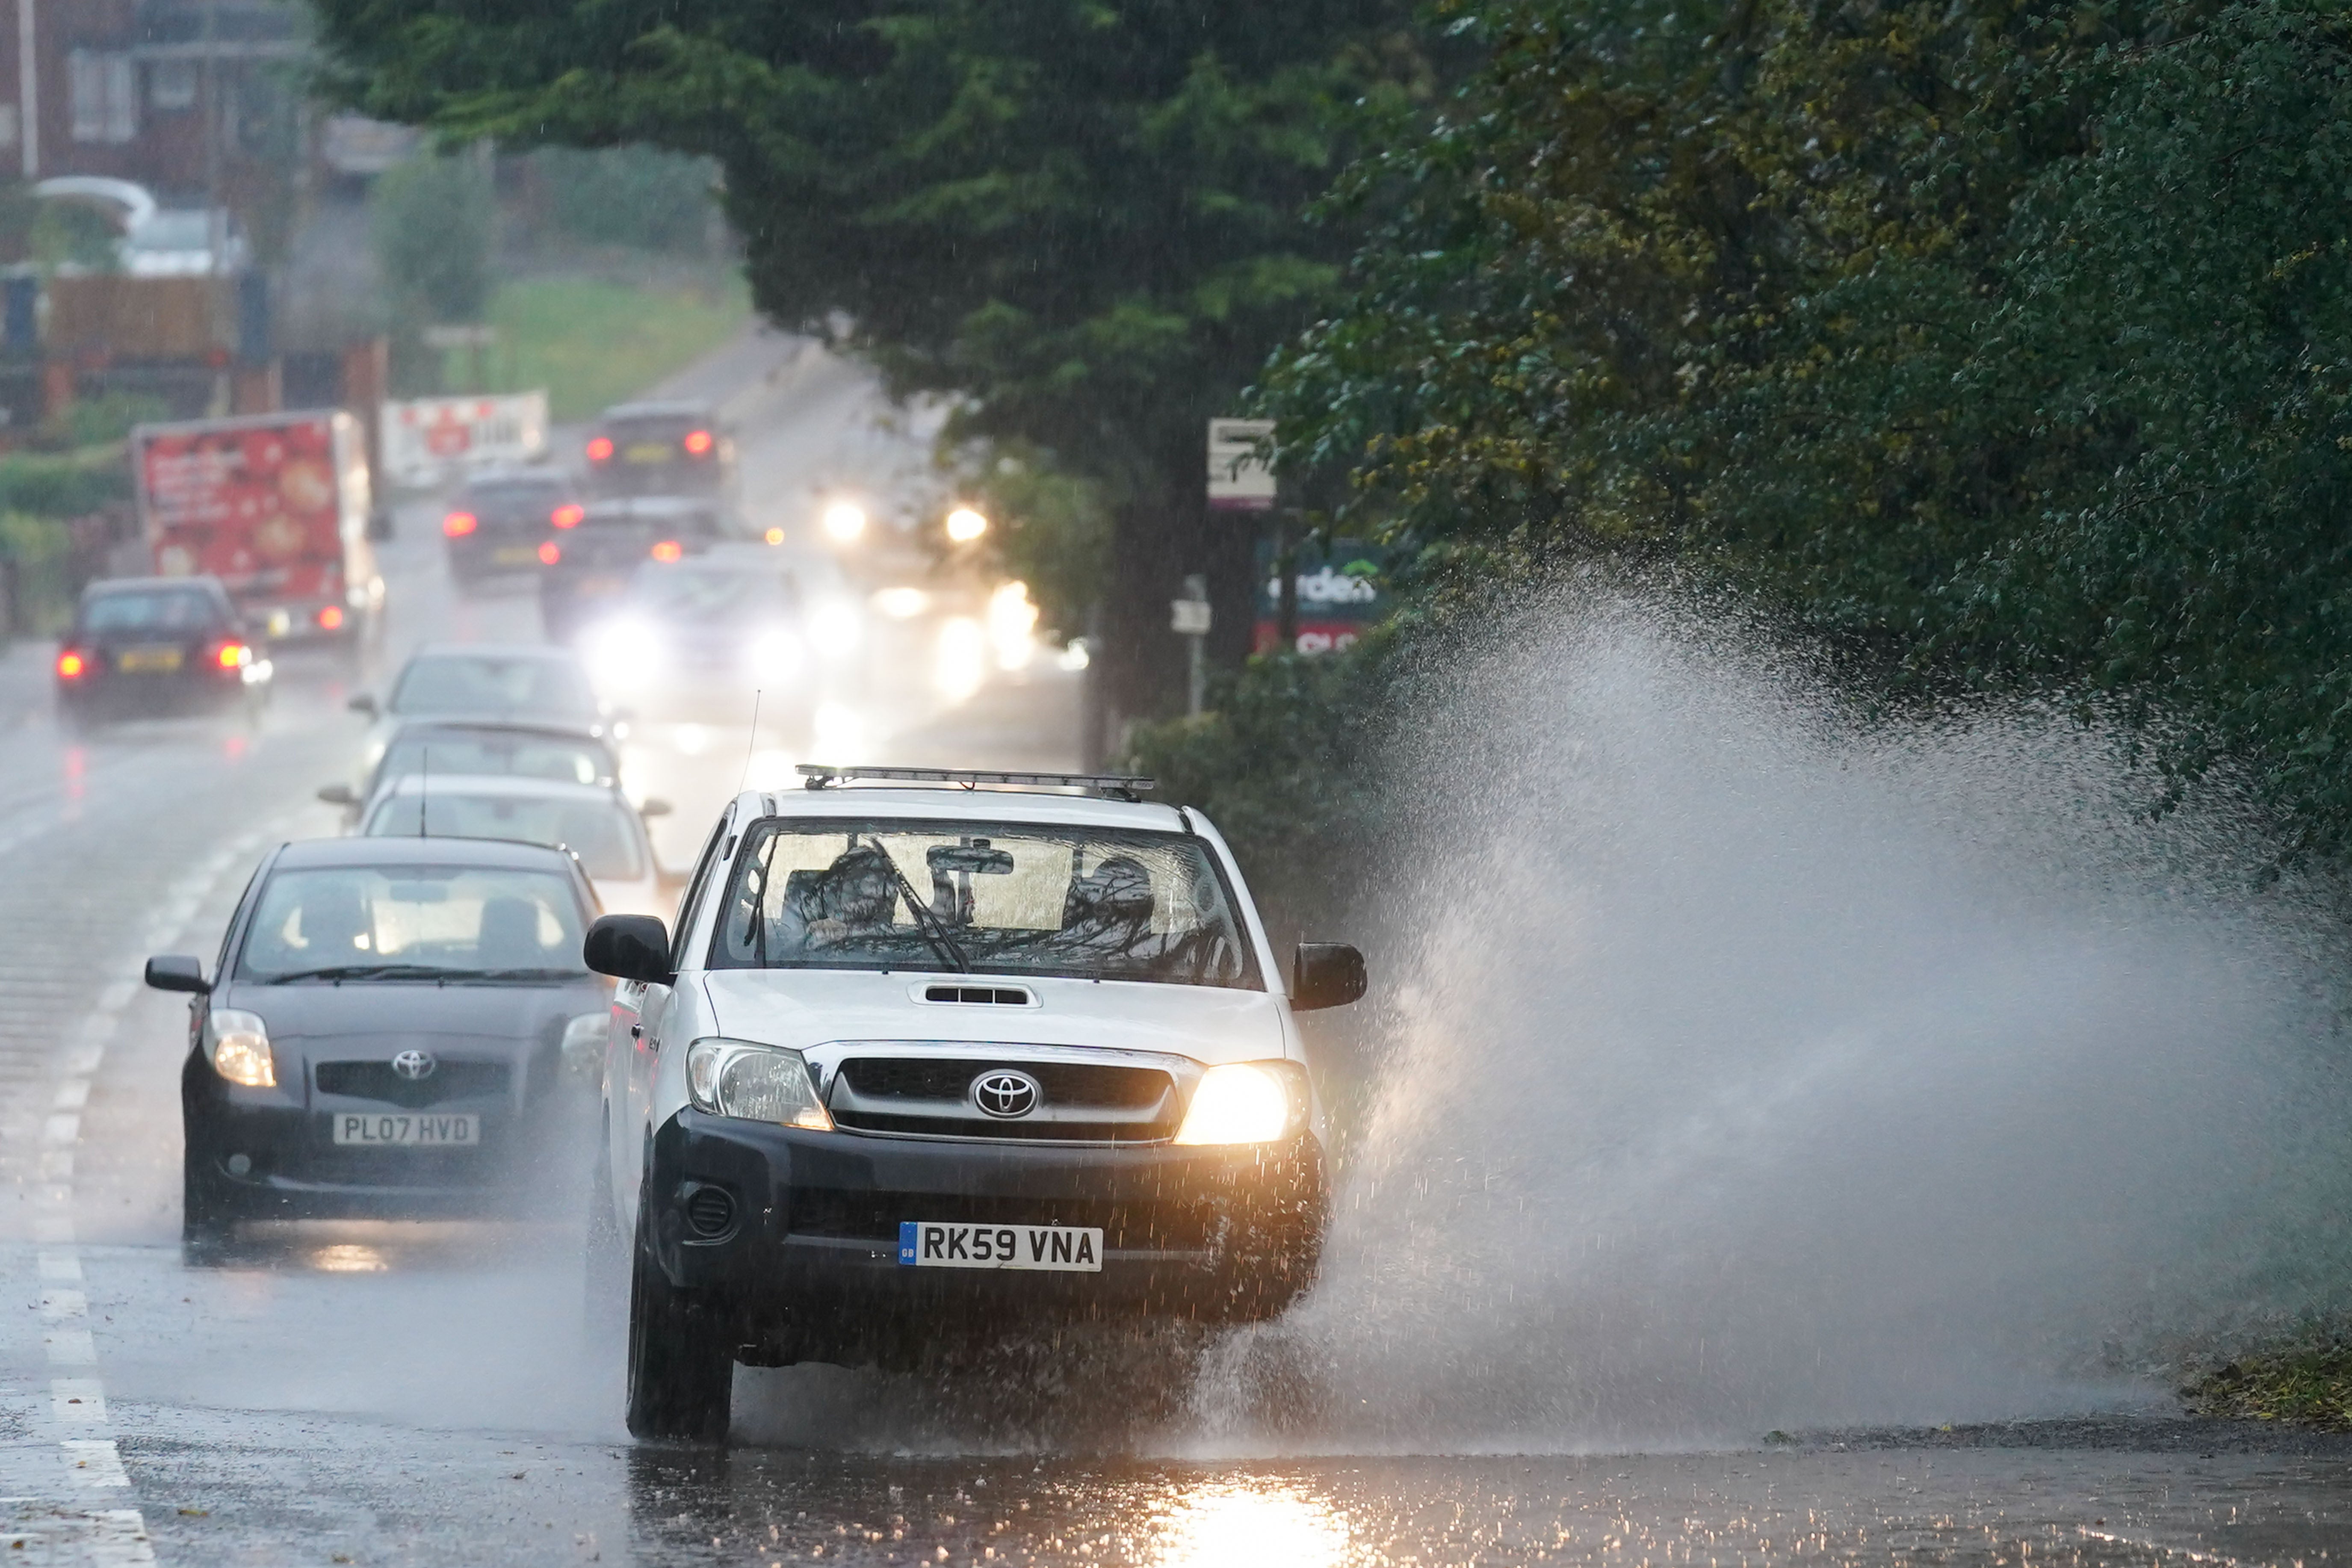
x=754, y=1082
x=238, y=1044
x=1246, y=1102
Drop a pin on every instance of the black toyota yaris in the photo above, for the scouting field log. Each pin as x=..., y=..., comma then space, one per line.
x=386, y=1035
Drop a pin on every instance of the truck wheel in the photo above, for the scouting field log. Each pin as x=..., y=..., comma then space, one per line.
x=681, y=1365
x=207, y=1212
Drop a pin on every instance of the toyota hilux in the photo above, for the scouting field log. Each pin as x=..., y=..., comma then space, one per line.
x=933, y=1054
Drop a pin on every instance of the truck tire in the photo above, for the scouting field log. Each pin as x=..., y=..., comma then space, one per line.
x=681, y=1359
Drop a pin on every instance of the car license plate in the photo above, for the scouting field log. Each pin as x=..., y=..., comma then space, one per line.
x=515, y=555
x=382, y=1130
x=148, y=660
x=648, y=452
x=1058, y=1248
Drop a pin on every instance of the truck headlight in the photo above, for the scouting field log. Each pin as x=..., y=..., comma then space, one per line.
x=1246, y=1102
x=755, y=1083
x=238, y=1045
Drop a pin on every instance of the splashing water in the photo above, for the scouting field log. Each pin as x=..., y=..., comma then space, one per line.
x=1745, y=1074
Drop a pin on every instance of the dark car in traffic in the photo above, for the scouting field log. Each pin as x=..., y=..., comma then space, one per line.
x=386, y=1035
x=502, y=521
x=661, y=448
x=144, y=646
x=592, y=567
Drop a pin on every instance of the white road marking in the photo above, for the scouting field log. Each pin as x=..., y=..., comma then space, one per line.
x=59, y=1305
x=72, y=1094
x=63, y=1129
x=42, y=1532
x=60, y=1264
x=94, y=1462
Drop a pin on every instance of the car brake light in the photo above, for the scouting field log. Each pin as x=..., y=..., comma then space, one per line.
x=600, y=449
x=668, y=550
x=71, y=666
x=550, y=553
x=697, y=442
x=330, y=617
x=234, y=654
x=458, y=524
x=568, y=515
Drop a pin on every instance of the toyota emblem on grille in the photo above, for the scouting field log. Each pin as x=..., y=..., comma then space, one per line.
x=1005, y=1094
x=414, y=1065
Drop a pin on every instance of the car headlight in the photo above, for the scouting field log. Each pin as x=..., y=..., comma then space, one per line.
x=624, y=654
x=775, y=656
x=238, y=1045
x=835, y=627
x=583, y=1044
x=1246, y=1102
x=754, y=1083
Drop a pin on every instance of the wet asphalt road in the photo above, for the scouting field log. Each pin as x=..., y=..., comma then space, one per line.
x=389, y=1393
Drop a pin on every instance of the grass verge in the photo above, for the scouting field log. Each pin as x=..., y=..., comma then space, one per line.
x=2307, y=1384
x=591, y=342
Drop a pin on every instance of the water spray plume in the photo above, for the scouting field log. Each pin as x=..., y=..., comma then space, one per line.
x=1744, y=1073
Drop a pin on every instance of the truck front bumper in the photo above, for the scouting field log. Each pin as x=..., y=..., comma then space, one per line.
x=807, y=1255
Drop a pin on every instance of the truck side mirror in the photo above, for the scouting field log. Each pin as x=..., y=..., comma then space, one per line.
x=629, y=947
x=1325, y=974
x=177, y=972
x=338, y=794
x=362, y=703
x=655, y=807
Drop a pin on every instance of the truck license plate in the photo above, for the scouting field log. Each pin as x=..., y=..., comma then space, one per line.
x=648, y=452
x=1057, y=1248
x=514, y=555
x=379, y=1130
x=148, y=660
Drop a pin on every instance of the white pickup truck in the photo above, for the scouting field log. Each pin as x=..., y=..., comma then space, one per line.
x=935, y=1053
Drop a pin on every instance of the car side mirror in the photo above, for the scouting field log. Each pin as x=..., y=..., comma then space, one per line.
x=338, y=794
x=379, y=524
x=655, y=807
x=362, y=703
x=629, y=947
x=176, y=971
x=1325, y=974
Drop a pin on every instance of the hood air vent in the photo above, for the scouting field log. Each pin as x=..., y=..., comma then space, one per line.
x=983, y=995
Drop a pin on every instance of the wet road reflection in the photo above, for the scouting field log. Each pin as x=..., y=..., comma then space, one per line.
x=1968, y=1507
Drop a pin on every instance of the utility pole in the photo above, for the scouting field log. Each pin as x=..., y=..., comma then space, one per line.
x=28, y=88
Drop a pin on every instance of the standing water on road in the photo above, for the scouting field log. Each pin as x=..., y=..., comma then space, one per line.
x=1748, y=1070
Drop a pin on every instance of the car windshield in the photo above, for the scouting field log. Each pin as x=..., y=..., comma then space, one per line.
x=486, y=683
x=413, y=922
x=597, y=828
x=151, y=610
x=513, y=753
x=517, y=495
x=1006, y=898
x=174, y=229
x=699, y=595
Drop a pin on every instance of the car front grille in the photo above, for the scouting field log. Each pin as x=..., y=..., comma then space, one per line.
x=375, y=1081
x=1090, y=1102
x=1172, y=1226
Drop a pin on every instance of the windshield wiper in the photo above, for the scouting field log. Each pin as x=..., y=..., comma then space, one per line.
x=341, y=971
x=934, y=929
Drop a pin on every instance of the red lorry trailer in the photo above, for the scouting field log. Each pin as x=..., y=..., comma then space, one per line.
x=275, y=506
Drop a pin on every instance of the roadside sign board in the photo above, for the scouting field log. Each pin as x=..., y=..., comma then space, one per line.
x=1240, y=480
x=429, y=439
x=1340, y=591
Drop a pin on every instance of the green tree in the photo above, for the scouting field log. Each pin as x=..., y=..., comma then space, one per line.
x=2000, y=343
x=1082, y=215
x=435, y=221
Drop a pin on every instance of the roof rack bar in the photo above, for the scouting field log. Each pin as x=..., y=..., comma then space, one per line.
x=1113, y=786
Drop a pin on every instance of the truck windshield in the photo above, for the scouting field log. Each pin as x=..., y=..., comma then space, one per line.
x=1003, y=898
x=412, y=922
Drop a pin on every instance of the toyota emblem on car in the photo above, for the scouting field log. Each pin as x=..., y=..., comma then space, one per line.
x=1005, y=1094
x=415, y=1066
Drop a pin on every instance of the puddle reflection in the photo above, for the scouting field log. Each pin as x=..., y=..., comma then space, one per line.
x=1267, y=1525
